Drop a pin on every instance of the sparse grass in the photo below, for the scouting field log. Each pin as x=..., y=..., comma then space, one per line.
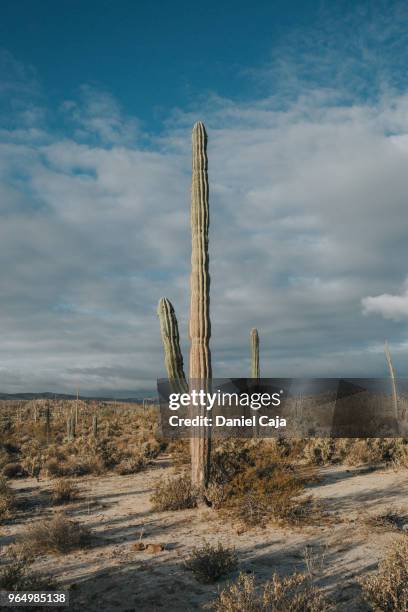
x=387, y=589
x=293, y=593
x=58, y=535
x=64, y=491
x=174, y=494
x=7, y=500
x=210, y=563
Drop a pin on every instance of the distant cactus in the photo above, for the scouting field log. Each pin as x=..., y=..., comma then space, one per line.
x=255, y=373
x=95, y=426
x=171, y=343
x=47, y=420
x=76, y=409
x=71, y=427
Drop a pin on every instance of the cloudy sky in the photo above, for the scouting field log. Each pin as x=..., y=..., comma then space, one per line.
x=306, y=108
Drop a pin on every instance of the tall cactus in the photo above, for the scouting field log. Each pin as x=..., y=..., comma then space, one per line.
x=173, y=357
x=255, y=373
x=200, y=327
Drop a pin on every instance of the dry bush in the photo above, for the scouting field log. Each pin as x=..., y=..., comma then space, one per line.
x=7, y=500
x=179, y=451
x=252, y=484
x=387, y=589
x=210, y=563
x=54, y=468
x=13, y=470
x=64, y=491
x=319, y=451
x=354, y=451
x=131, y=465
x=58, y=535
x=16, y=573
x=293, y=593
x=174, y=494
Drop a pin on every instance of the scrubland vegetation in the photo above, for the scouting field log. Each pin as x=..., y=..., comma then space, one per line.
x=63, y=449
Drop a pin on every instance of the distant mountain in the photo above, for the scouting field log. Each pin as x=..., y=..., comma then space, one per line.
x=66, y=396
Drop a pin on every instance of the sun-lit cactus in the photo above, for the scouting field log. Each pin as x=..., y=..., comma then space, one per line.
x=200, y=327
x=173, y=357
x=255, y=373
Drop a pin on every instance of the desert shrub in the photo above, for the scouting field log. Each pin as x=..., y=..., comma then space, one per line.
x=375, y=451
x=64, y=491
x=319, y=451
x=387, y=589
x=13, y=470
x=4, y=456
x=254, y=485
x=58, y=535
x=151, y=448
x=293, y=593
x=7, y=500
x=210, y=563
x=179, y=451
x=131, y=465
x=174, y=494
x=76, y=466
x=16, y=573
x=54, y=468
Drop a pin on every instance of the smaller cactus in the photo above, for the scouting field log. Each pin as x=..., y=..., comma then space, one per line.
x=71, y=427
x=173, y=357
x=255, y=372
x=95, y=426
x=47, y=419
x=77, y=409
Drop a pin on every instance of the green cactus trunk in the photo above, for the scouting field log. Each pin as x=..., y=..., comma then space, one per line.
x=255, y=373
x=200, y=327
x=95, y=426
x=173, y=357
x=71, y=427
x=47, y=421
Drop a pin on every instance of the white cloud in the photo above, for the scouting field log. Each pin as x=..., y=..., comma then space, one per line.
x=390, y=306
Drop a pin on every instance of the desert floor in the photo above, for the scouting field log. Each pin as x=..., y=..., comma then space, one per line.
x=113, y=575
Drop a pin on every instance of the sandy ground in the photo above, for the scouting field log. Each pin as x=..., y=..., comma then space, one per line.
x=113, y=575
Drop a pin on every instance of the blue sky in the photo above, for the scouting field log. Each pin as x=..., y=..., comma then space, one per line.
x=306, y=107
x=153, y=55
